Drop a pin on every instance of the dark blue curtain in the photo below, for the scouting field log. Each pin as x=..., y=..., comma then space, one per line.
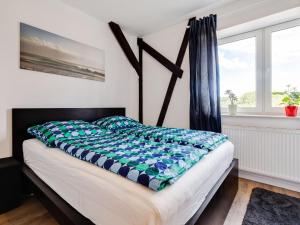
x=204, y=75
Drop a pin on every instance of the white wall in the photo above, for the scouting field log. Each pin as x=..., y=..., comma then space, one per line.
x=167, y=41
x=23, y=88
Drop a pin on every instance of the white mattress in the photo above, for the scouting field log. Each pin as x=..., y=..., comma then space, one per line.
x=109, y=199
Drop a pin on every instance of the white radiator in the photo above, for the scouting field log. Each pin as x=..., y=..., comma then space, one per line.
x=267, y=151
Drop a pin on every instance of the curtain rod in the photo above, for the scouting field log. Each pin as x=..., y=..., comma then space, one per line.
x=190, y=20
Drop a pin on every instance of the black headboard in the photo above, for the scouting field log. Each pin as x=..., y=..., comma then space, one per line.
x=24, y=118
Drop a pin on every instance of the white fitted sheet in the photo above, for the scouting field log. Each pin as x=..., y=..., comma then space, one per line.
x=109, y=199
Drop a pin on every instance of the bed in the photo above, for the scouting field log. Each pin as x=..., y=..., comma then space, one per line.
x=94, y=196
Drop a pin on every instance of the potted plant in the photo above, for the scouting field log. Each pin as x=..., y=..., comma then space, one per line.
x=232, y=107
x=291, y=100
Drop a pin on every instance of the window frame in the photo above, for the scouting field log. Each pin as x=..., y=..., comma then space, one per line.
x=258, y=71
x=263, y=67
x=268, y=63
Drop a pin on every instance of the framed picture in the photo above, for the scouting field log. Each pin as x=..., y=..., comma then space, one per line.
x=46, y=52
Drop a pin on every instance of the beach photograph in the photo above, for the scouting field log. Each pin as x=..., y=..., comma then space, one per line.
x=46, y=52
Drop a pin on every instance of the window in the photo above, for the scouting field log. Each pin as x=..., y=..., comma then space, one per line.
x=282, y=62
x=258, y=66
x=237, y=66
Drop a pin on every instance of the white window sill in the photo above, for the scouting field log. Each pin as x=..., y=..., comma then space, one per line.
x=244, y=115
x=260, y=120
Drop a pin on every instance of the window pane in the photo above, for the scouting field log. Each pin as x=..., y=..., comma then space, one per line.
x=238, y=71
x=285, y=62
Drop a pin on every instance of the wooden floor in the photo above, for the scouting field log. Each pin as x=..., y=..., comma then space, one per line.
x=33, y=213
x=239, y=206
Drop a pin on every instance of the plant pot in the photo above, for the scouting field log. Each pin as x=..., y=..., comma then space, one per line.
x=291, y=110
x=232, y=110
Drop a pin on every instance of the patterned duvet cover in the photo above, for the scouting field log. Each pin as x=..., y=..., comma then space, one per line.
x=152, y=164
x=153, y=157
x=196, y=138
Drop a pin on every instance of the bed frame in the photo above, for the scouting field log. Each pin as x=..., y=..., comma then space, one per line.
x=213, y=211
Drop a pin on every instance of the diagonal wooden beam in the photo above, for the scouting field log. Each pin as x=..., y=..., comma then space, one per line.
x=115, y=28
x=173, y=80
x=175, y=69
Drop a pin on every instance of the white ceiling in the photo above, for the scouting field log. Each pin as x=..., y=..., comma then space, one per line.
x=141, y=17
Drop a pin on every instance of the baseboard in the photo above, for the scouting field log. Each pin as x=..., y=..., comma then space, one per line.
x=290, y=185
